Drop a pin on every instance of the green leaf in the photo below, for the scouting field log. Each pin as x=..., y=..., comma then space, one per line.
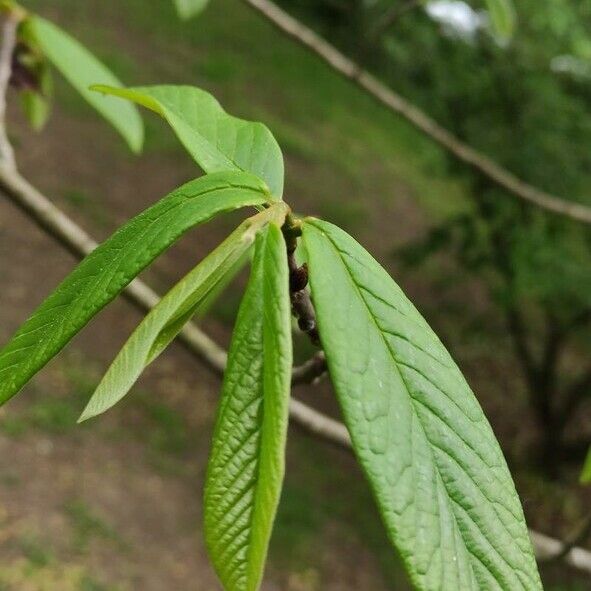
x=169, y=316
x=439, y=477
x=502, y=17
x=586, y=473
x=82, y=69
x=215, y=140
x=246, y=465
x=103, y=274
x=190, y=8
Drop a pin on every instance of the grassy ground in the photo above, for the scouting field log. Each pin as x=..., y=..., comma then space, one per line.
x=114, y=506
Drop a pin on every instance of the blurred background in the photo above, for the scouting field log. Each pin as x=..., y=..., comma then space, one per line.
x=115, y=505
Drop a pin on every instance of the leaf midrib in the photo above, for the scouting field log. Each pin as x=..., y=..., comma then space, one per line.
x=357, y=288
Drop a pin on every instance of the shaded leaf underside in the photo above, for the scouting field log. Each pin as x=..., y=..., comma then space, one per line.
x=246, y=466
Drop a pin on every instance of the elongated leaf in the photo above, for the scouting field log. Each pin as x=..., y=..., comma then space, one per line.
x=442, y=485
x=215, y=140
x=586, y=473
x=105, y=272
x=246, y=466
x=190, y=8
x=82, y=69
x=168, y=317
x=502, y=17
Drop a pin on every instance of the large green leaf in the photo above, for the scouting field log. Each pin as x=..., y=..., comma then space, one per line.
x=82, y=69
x=441, y=482
x=190, y=8
x=105, y=272
x=502, y=17
x=168, y=317
x=246, y=465
x=216, y=140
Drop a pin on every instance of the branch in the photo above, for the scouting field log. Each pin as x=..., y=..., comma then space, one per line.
x=9, y=28
x=393, y=15
x=580, y=537
x=393, y=101
x=61, y=228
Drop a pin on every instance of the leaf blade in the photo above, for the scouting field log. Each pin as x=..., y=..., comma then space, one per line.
x=441, y=483
x=189, y=8
x=586, y=472
x=103, y=274
x=166, y=319
x=246, y=466
x=502, y=17
x=82, y=69
x=215, y=140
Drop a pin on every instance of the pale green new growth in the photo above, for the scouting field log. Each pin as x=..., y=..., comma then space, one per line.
x=246, y=466
x=175, y=309
x=216, y=141
x=190, y=8
x=441, y=482
x=82, y=69
x=502, y=17
x=586, y=473
x=103, y=274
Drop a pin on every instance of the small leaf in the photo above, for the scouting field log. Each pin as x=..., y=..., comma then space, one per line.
x=37, y=103
x=439, y=477
x=502, y=17
x=168, y=317
x=216, y=141
x=190, y=8
x=82, y=69
x=104, y=273
x=586, y=473
x=246, y=466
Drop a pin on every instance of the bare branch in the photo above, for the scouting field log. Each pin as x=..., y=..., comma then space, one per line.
x=393, y=15
x=393, y=101
x=580, y=537
x=9, y=28
x=547, y=548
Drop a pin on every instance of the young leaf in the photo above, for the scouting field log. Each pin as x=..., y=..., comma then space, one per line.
x=215, y=140
x=103, y=274
x=502, y=17
x=190, y=8
x=246, y=465
x=442, y=485
x=82, y=69
x=586, y=473
x=169, y=316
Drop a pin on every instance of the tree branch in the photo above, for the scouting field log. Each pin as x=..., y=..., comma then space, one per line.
x=393, y=15
x=394, y=102
x=9, y=28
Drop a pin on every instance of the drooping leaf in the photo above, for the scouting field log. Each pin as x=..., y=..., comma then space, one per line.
x=190, y=8
x=215, y=140
x=103, y=274
x=502, y=17
x=82, y=69
x=439, y=477
x=586, y=473
x=169, y=316
x=246, y=465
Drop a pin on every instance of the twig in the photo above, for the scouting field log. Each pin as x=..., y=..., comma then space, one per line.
x=393, y=15
x=9, y=28
x=580, y=537
x=393, y=101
